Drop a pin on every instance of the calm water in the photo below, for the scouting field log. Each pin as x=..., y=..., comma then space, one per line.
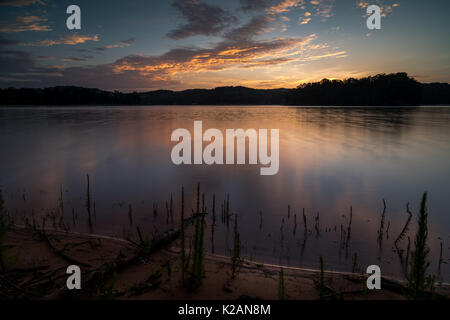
x=330, y=159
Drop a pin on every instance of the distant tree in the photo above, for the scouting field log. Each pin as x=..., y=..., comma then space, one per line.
x=380, y=90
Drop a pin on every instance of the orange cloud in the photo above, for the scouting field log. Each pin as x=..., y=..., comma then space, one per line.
x=27, y=23
x=224, y=56
x=305, y=20
x=69, y=40
x=285, y=6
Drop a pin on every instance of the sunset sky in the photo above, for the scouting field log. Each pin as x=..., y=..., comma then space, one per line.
x=154, y=44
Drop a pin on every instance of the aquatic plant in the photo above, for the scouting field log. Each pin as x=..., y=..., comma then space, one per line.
x=197, y=267
x=236, y=258
x=198, y=198
x=405, y=229
x=213, y=225
x=171, y=208
x=381, y=230
x=281, y=287
x=3, y=229
x=110, y=292
x=130, y=214
x=321, y=280
x=260, y=220
x=417, y=278
x=295, y=223
x=440, y=260
x=349, y=227
x=183, y=253
x=355, y=263
x=88, y=197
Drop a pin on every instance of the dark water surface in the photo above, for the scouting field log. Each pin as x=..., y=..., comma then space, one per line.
x=330, y=159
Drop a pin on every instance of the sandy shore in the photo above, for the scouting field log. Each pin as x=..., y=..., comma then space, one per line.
x=112, y=269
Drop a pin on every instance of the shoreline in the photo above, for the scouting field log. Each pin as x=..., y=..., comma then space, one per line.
x=157, y=277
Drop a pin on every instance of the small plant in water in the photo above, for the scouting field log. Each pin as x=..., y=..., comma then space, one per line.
x=281, y=288
x=236, y=258
x=3, y=229
x=417, y=278
x=321, y=281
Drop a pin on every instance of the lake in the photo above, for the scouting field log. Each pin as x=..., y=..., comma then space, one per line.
x=331, y=159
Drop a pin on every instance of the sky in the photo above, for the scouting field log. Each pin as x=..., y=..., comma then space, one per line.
x=141, y=45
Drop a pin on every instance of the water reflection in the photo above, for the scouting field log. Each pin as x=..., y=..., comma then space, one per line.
x=331, y=159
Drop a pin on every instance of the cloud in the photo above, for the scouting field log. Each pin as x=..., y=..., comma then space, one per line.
x=304, y=20
x=202, y=19
x=76, y=59
x=386, y=7
x=18, y=65
x=339, y=54
x=225, y=55
x=271, y=6
x=7, y=42
x=20, y=3
x=255, y=5
x=69, y=40
x=285, y=5
x=26, y=23
x=141, y=72
x=121, y=44
x=323, y=8
x=256, y=26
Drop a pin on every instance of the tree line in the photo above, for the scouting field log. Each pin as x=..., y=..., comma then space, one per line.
x=397, y=89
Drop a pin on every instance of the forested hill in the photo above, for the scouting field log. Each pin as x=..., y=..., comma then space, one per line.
x=381, y=90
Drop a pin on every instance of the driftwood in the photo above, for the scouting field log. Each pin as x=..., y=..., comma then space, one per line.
x=62, y=255
x=104, y=272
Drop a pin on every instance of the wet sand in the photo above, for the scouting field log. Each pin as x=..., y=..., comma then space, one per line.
x=114, y=268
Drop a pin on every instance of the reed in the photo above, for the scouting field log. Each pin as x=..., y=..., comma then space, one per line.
x=260, y=220
x=214, y=209
x=349, y=227
x=88, y=197
x=381, y=231
x=203, y=202
x=387, y=230
x=74, y=217
x=33, y=218
x=213, y=225
x=130, y=215
x=440, y=260
x=355, y=266
x=417, y=278
x=198, y=198
x=317, y=225
x=61, y=200
x=198, y=269
x=295, y=223
x=304, y=221
x=169, y=270
x=407, y=256
x=111, y=292
x=227, y=211
x=405, y=229
x=167, y=213
x=321, y=280
x=236, y=258
x=281, y=287
x=3, y=229
x=183, y=253
x=171, y=208
x=155, y=210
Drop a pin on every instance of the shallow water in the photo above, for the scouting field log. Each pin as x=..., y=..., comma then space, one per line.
x=330, y=159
